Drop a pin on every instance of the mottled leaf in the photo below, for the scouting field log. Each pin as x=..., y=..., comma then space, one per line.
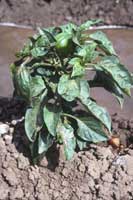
x=76, y=37
x=23, y=79
x=33, y=117
x=87, y=52
x=66, y=132
x=81, y=144
x=44, y=142
x=103, y=41
x=68, y=88
x=78, y=68
x=104, y=80
x=51, y=115
x=39, y=51
x=84, y=90
x=117, y=71
x=98, y=111
x=48, y=34
x=31, y=121
x=68, y=28
x=37, y=85
x=41, y=41
x=89, y=129
x=89, y=23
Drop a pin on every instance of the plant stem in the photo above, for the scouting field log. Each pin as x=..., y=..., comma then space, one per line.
x=90, y=69
x=68, y=115
x=26, y=61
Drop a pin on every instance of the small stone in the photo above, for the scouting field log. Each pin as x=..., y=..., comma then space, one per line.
x=65, y=172
x=52, y=186
x=3, y=191
x=107, y=177
x=23, y=162
x=18, y=193
x=14, y=122
x=79, y=193
x=4, y=128
x=50, y=191
x=11, y=130
x=55, y=194
x=44, y=162
x=43, y=196
x=65, y=183
x=5, y=165
x=64, y=191
x=85, y=188
x=66, y=195
x=81, y=168
x=15, y=155
x=8, y=139
x=123, y=124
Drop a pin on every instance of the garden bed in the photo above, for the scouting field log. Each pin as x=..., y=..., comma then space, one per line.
x=50, y=12
x=100, y=172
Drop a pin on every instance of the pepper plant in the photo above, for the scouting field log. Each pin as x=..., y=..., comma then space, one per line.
x=50, y=76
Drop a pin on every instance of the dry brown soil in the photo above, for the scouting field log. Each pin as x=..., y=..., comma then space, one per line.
x=51, y=12
x=99, y=173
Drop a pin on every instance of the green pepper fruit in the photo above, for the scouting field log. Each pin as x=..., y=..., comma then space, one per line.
x=64, y=44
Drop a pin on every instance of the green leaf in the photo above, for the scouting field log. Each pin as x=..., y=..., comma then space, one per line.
x=68, y=28
x=42, y=41
x=33, y=40
x=31, y=122
x=66, y=133
x=44, y=71
x=26, y=51
x=76, y=37
x=85, y=26
x=89, y=129
x=81, y=144
x=97, y=111
x=78, y=68
x=51, y=115
x=23, y=79
x=104, y=80
x=103, y=42
x=49, y=29
x=84, y=90
x=37, y=86
x=75, y=60
x=33, y=117
x=39, y=51
x=44, y=142
x=34, y=151
x=111, y=65
x=68, y=88
x=87, y=52
x=48, y=34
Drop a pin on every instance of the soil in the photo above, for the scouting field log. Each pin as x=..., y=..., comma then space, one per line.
x=98, y=173
x=50, y=12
